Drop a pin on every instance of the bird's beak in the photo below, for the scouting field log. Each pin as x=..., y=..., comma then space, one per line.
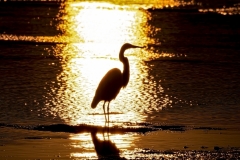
x=138, y=46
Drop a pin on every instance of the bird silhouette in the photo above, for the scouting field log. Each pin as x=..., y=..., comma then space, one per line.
x=113, y=81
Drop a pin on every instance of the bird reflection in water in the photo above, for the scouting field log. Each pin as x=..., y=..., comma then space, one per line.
x=113, y=81
x=105, y=149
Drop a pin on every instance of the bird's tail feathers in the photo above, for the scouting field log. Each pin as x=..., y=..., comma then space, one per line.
x=94, y=102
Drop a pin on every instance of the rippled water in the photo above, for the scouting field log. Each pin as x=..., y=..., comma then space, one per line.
x=54, y=55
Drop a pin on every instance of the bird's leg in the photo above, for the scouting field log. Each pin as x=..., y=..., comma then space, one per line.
x=104, y=116
x=108, y=111
x=104, y=112
x=108, y=117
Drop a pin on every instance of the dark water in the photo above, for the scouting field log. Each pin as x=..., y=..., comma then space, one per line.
x=208, y=76
x=193, y=83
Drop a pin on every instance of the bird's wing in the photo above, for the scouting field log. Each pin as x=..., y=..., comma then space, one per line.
x=110, y=85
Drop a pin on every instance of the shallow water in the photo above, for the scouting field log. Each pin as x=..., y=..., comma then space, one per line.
x=183, y=88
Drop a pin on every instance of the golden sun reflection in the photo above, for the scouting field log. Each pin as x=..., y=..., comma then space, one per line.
x=101, y=30
x=84, y=142
x=96, y=32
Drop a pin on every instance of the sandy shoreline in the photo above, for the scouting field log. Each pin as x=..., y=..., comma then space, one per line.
x=32, y=144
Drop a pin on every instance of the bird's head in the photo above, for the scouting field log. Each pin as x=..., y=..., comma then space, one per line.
x=128, y=45
x=125, y=47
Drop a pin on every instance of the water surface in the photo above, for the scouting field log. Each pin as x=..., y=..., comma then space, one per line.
x=53, y=57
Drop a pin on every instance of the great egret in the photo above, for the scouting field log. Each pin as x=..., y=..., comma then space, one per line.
x=113, y=81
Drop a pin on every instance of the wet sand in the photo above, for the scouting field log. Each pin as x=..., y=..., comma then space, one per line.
x=199, y=143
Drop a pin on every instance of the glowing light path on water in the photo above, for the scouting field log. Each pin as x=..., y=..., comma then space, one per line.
x=103, y=30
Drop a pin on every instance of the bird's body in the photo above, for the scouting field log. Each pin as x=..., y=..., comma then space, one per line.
x=113, y=81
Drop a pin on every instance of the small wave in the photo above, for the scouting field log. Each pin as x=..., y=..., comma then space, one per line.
x=53, y=3
x=36, y=137
x=175, y=9
x=231, y=9
x=103, y=113
x=5, y=42
x=224, y=153
x=195, y=61
x=187, y=60
x=129, y=127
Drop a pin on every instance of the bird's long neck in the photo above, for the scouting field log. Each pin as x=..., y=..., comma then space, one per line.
x=121, y=54
x=126, y=72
